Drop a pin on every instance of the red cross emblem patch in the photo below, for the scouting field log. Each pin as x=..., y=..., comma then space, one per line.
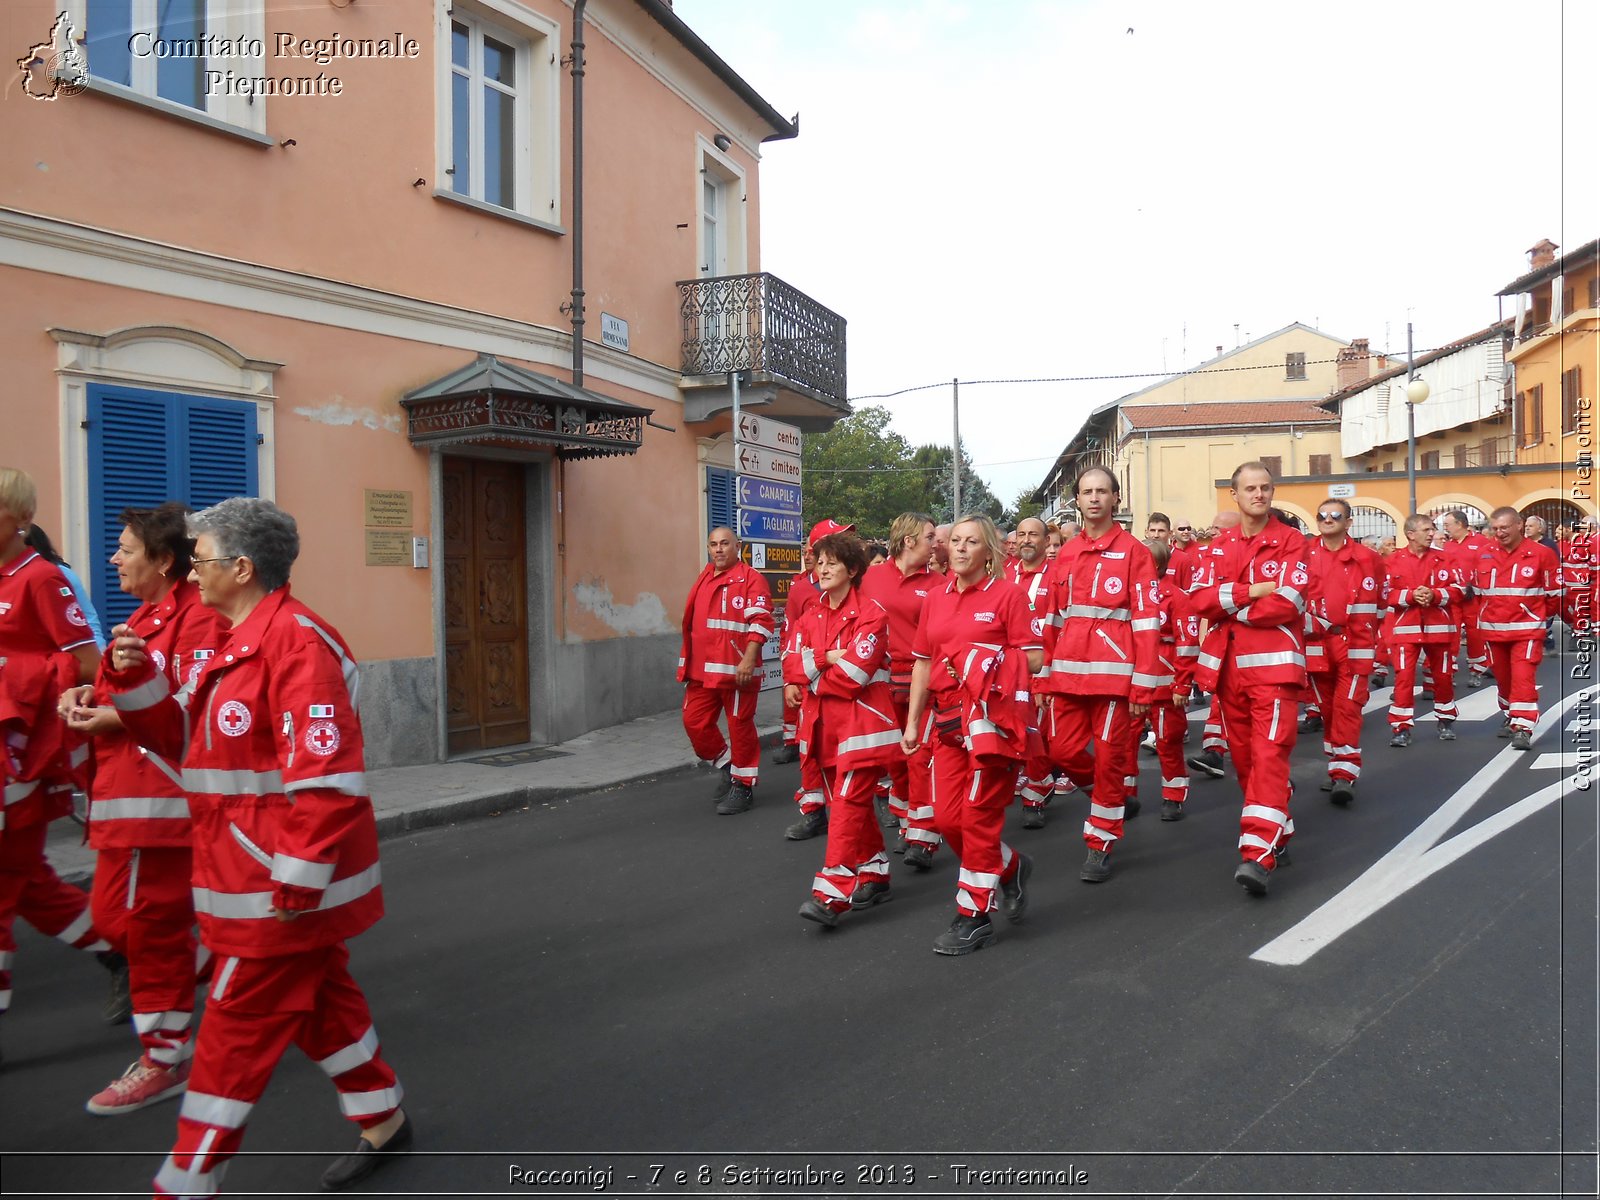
x=322, y=738
x=233, y=718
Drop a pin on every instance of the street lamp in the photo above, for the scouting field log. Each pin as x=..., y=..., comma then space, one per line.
x=1416, y=392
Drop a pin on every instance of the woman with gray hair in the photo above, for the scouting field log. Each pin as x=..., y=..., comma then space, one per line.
x=285, y=845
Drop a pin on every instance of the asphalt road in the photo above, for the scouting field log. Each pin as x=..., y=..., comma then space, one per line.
x=620, y=984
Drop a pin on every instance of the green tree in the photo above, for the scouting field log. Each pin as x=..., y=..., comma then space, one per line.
x=1022, y=507
x=857, y=472
x=933, y=473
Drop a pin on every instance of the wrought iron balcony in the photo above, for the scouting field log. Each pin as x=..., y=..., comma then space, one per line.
x=791, y=349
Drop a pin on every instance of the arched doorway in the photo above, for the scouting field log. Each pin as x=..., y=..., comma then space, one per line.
x=1368, y=522
x=1476, y=517
x=1554, y=512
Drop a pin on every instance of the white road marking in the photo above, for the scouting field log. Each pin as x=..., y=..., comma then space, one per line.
x=1419, y=854
x=1565, y=760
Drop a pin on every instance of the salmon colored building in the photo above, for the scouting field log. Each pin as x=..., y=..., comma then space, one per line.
x=330, y=254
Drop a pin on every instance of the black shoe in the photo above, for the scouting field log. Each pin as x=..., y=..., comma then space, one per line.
x=1310, y=723
x=1253, y=877
x=899, y=846
x=1343, y=792
x=965, y=935
x=1522, y=739
x=1130, y=807
x=1033, y=816
x=1210, y=762
x=1172, y=810
x=787, y=753
x=1378, y=678
x=1015, y=890
x=724, y=783
x=808, y=826
x=1326, y=785
x=1447, y=732
x=1280, y=857
x=119, y=1000
x=1096, y=867
x=366, y=1158
x=1505, y=729
x=813, y=909
x=918, y=856
x=739, y=799
x=886, y=819
x=1401, y=739
x=870, y=893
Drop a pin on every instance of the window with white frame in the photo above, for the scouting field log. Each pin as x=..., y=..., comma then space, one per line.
x=721, y=202
x=182, y=52
x=499, y=104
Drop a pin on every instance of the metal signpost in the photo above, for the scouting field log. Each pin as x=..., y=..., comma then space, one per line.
x=766, y=456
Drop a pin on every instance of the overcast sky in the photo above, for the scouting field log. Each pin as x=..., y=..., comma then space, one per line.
x=1008, y=189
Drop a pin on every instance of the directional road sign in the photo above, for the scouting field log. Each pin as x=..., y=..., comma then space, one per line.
x=769, y=527
x=768, y=464
x=769, y=495
x=768, y=434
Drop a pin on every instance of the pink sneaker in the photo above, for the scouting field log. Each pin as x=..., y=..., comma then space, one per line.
x=145, y=1082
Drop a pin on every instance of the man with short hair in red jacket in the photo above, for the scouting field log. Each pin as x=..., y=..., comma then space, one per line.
x=1253, y=660
x=1423, y=590
x=726, y=621
x=1517, y=579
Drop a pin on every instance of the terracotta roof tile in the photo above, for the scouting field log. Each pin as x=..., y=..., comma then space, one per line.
x=1228, y=413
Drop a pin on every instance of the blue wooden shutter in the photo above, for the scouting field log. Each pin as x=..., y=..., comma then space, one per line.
x=148, y=447
x=719, y=498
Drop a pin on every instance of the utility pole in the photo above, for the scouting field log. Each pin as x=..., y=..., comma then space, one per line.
x=955, y=455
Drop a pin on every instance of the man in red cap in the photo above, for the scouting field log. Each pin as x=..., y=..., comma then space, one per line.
x=725, y=622
x=803, y=593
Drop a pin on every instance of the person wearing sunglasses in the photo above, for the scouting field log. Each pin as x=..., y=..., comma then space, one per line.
x=1341, y=631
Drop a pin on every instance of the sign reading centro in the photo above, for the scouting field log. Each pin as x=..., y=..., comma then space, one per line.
x=768, y=434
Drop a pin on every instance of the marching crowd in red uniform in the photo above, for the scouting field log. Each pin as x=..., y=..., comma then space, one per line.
x=964, y=677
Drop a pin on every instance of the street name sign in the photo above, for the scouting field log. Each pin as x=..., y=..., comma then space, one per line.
x=768, y=434
x=769, y=527
x=769, y=495
x=761, y=463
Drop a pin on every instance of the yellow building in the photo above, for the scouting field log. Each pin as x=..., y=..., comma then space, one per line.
x=1168, y=442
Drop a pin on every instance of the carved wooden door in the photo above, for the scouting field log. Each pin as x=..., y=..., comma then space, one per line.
x=485, y=605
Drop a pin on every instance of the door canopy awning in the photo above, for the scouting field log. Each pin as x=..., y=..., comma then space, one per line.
x=493, y=403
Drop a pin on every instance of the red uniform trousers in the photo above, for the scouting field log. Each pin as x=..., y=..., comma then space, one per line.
x=256, y=1008
x=1170, y=723
x=701, y=707
x=791, y=725
x=1477, y=644
x=969, y=810
x=1402, y=704
x=855, y=853
x=811, y=796
x=1341, y=696
x=1212, y=734
x=1516, y=665
x=30, y=889
x=911, y=788
x=143, y=904
x=1263, y=715
x=1074, y=722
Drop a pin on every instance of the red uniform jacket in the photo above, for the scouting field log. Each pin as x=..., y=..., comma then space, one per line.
x=988, y=685
x=272, y=756
x=1035, y=585
x=724, y=614
x=1519, y=591
x=847, y=717
x=1102, y=639
x=1191, y=571
x=137, y=797
x=1431, y=625
x=1260, y=639
x=41, y=761
x=1347, y=586
x=902, y=597
x=1162, y=598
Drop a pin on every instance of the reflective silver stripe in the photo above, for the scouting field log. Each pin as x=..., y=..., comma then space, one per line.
x=162, y=765
x=1511, y=591
x=232, y=783
x=1071, y=667
x=250, y=848
x=147, y=695
x=1151, y=681
x=1276, y=658
x=1106, y=813
x=1262, y=812
x=1354, y=653
x=808, y=663
x=1144, y=623
x=1225, y=597
x=141, y=808
x=367, y=1104
x=352, y=674
x=20, y=791
x=215, y=1110
x=712, y=668
x=301, y=872
x=252, y=906
x=866, y=741
x=1210, y=661
x=1096, y=612
x=1362, y=608
x=718, y=623
x=175, y=1181
x=354, y=1055
x=350, y=783
x=1293, y=596
x=1250, y=839
x=224, y=978
x=1511, y=625
x=855, y=672
x=978, y=879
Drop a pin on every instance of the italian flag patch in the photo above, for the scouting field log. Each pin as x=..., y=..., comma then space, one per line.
x=321, y=710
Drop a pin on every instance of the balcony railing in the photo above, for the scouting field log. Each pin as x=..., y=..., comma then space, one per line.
x=760, y=323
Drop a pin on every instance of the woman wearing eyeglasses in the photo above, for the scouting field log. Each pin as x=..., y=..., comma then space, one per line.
x=285, y=845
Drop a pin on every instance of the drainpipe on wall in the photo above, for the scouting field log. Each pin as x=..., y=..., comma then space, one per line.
x=577, y=192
